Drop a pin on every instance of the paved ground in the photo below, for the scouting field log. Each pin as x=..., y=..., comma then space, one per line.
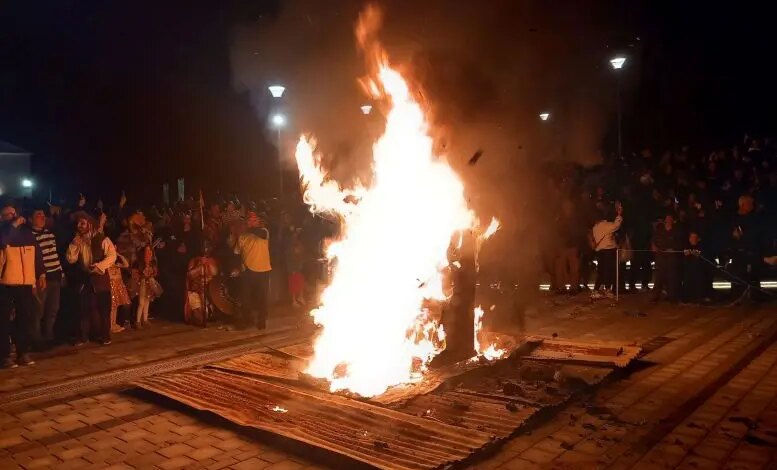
x=709, y=400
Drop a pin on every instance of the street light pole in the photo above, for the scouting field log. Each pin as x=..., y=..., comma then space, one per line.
x=280, y=165
x=278, y=120
x=617, y=63
x=620, y=118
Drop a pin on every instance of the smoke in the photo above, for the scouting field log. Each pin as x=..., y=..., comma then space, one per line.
x=484, y=72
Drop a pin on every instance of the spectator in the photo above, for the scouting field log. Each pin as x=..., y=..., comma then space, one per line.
x=697, y=275
x=668, y=245
x=604, y=244
x=568, y=258
x=93, y=253
x=747, y=244
x=48, y=297
x=21, y=265
x=253, y=247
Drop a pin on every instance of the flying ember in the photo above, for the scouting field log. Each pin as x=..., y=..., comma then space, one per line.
x=392, y=253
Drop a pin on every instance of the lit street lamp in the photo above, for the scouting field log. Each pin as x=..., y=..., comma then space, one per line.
x=366, y=109
x=26, y=183
x=276, y=90
x=617, y=63
x=544, y=116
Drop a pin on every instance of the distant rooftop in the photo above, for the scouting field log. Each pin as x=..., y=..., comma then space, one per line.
x=5, y=147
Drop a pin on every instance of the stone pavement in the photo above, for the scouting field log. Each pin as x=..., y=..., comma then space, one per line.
x=643, y=421
x=713, y=380
x=162, y=340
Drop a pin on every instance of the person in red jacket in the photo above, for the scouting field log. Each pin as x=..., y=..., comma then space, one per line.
x=21, y=272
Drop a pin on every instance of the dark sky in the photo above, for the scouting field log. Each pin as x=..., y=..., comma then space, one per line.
x=113, y=94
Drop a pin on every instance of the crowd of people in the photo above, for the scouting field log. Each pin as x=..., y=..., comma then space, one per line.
x=681, y=219
x=85, y=273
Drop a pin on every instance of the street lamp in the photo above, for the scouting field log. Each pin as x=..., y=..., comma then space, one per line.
x=278, y=121
x=617, y=63
x=366, y=109
x=26, y=183
x=276, y=90
x=544, y=116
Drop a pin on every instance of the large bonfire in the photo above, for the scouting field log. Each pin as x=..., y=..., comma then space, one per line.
x=390, y=259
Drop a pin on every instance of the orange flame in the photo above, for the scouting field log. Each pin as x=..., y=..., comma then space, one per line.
x=489, y=352
x=377, y=330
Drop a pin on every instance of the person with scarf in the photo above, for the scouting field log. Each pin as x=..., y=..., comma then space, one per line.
x=94, y=254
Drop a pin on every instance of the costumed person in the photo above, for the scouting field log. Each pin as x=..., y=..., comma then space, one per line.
x=131, y=245
x=148, y=286
x=200, y=272
x=93, y=253
x=120, y=298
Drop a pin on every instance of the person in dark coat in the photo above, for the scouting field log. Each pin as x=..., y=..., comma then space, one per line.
x=747, y=247
x=697, y=272
x=668, y=243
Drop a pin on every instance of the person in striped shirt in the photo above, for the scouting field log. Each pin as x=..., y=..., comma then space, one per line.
x=48, y=298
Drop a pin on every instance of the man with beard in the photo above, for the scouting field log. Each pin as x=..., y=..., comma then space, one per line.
x=21, y=266
x=253, y=247
x=93, y=253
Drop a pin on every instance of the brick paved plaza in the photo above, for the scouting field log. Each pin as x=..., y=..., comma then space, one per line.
x=706, y=398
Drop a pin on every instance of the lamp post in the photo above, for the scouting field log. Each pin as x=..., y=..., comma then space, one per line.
x=544, y=116
x=278, y=121
x=366, y=109
x=617, y=63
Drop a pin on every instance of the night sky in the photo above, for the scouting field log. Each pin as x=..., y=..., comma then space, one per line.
x=116, y=94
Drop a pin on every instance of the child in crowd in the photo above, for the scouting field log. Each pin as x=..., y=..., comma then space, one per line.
x=149, y=287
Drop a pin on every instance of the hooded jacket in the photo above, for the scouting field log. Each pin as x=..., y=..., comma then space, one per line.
x=21, y=260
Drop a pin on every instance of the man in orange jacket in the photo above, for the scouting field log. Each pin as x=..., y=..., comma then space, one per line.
x=21, y=271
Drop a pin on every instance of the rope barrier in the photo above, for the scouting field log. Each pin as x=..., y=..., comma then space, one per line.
x=731, y=276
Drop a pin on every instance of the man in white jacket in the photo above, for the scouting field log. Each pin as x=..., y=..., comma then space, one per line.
x=606, y=248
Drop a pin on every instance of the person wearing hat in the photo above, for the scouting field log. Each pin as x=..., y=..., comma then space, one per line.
x=93, y=253
x=253, y=247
